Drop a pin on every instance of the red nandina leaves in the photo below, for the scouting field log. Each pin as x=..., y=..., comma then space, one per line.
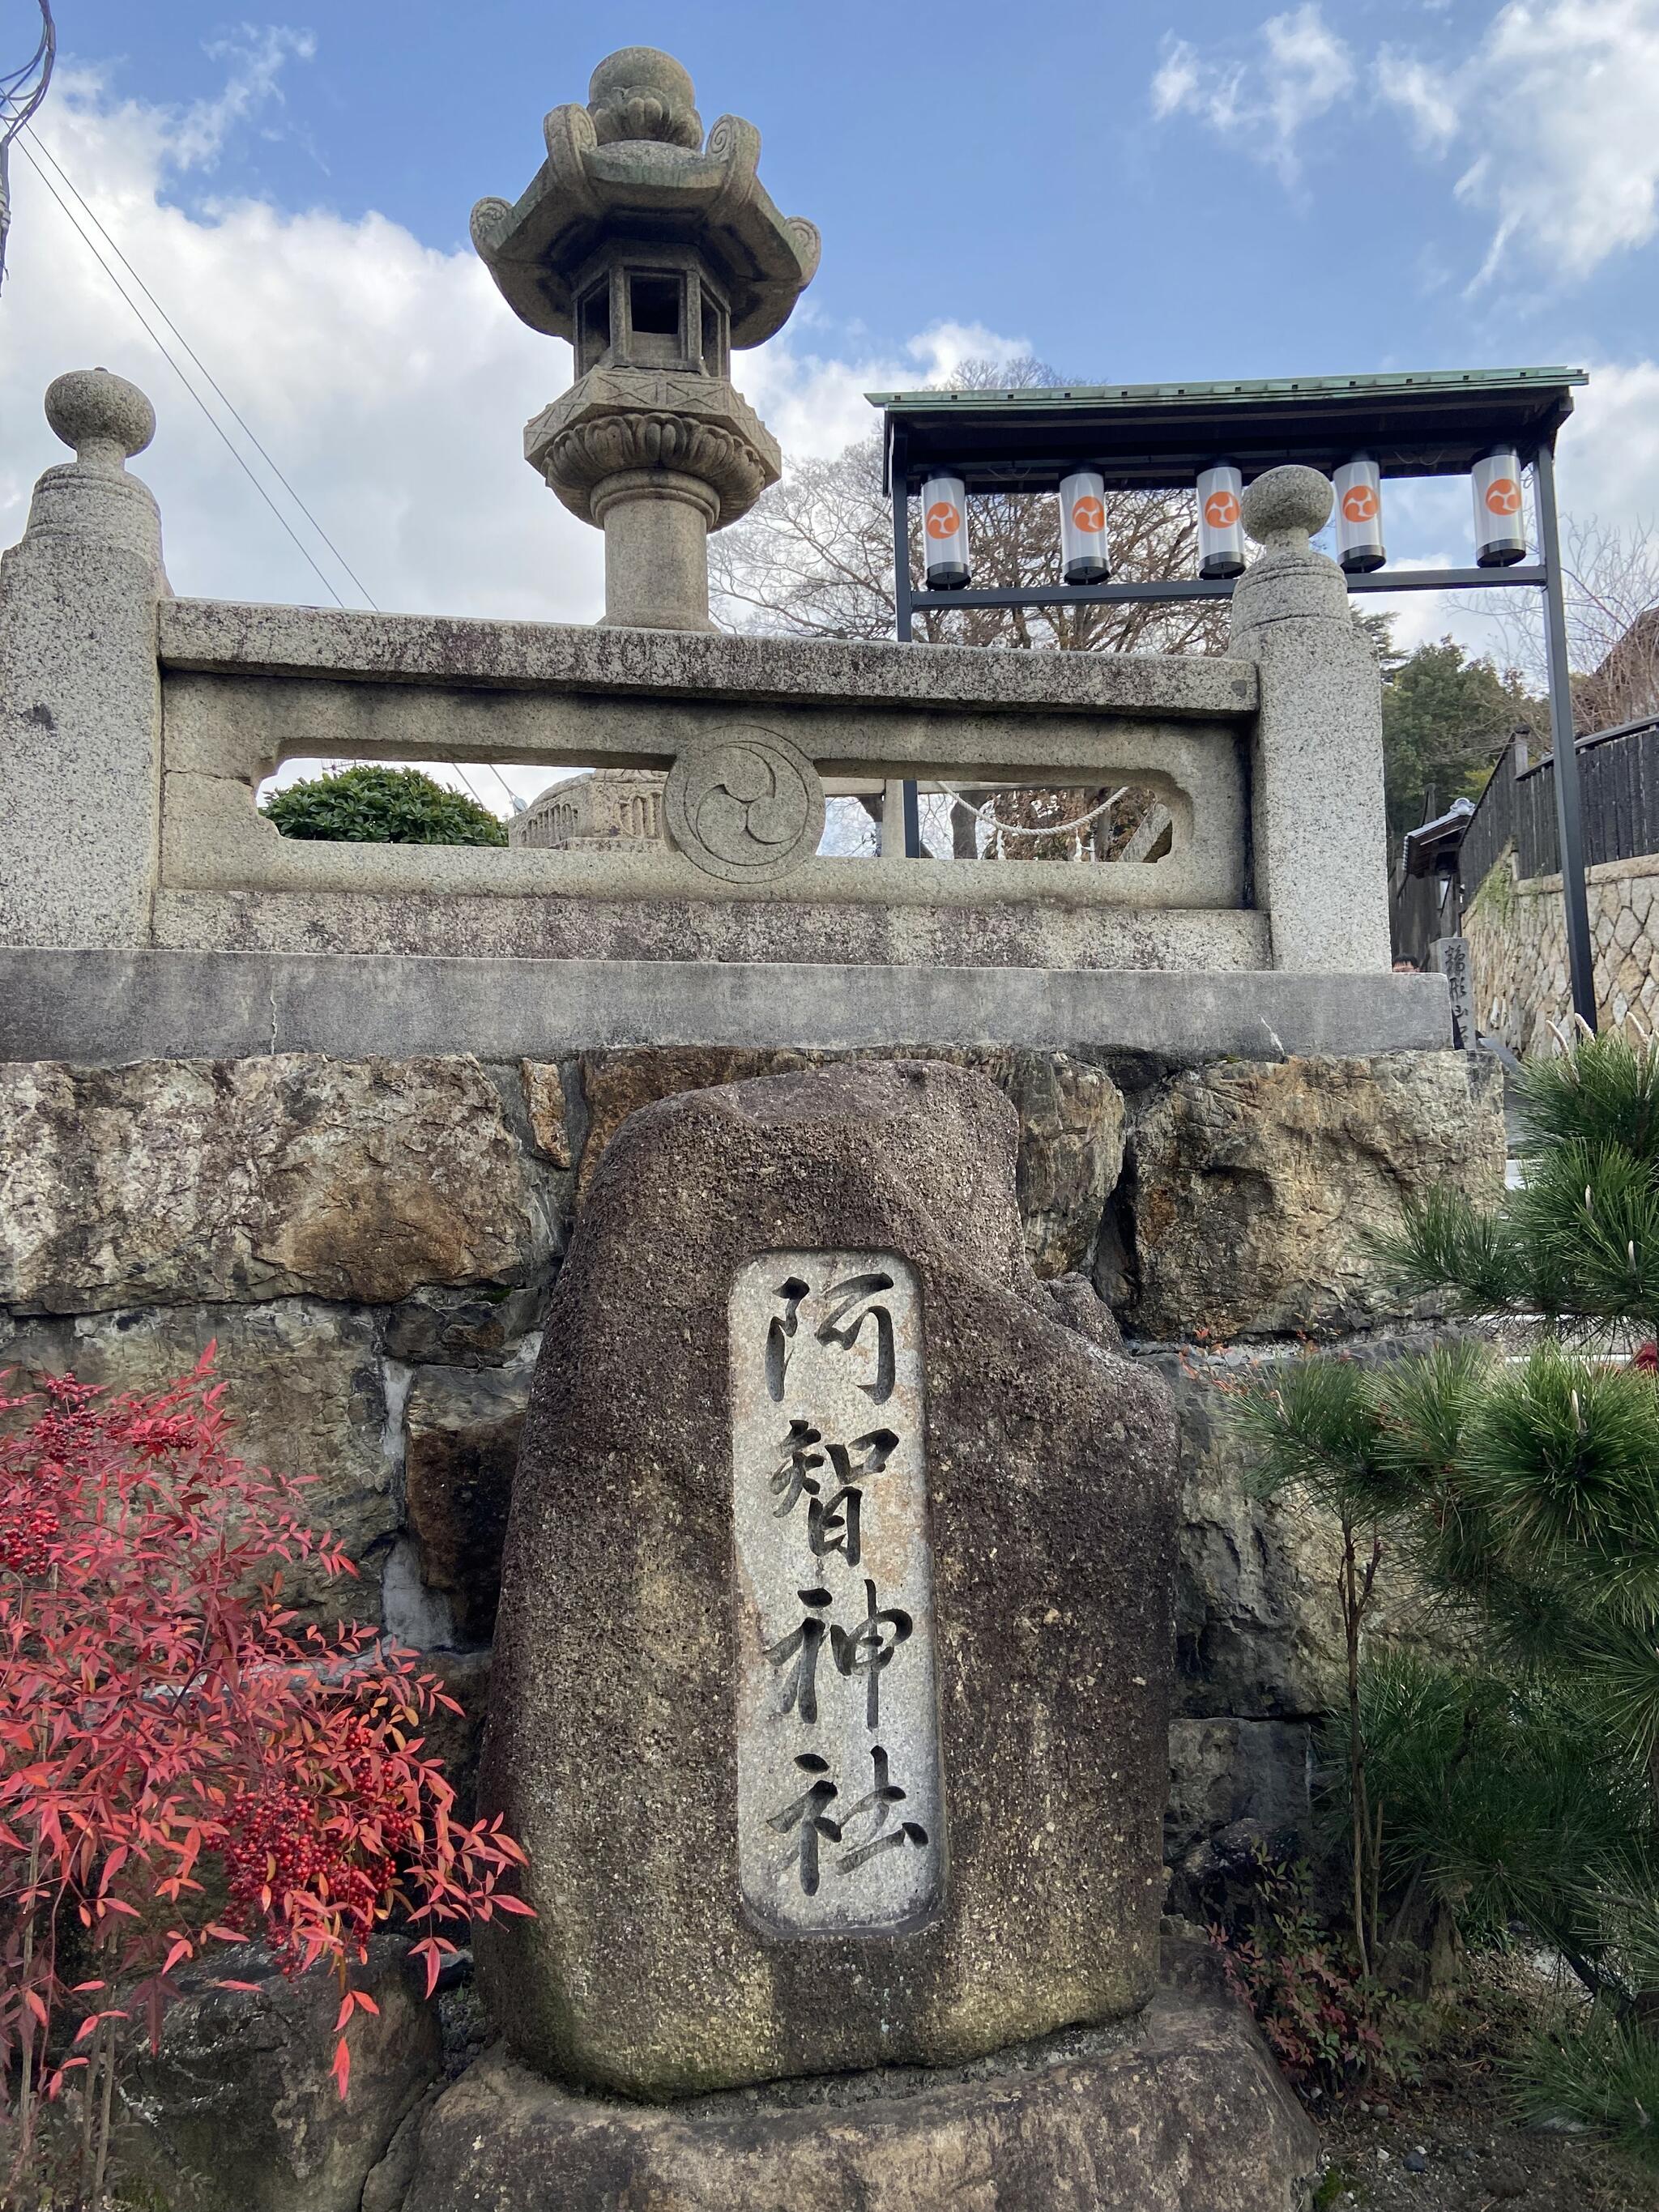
x=159, y=1711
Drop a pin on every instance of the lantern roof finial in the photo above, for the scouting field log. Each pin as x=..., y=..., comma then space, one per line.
x=641, y=93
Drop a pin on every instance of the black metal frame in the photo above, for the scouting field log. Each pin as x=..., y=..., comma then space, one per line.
x=1544, y=575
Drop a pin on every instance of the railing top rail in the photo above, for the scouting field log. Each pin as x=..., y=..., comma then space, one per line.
x=230, y=638
x=1636, y=729
x=1587, y=743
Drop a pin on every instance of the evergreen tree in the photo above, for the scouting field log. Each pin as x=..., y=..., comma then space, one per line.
x=1524, y=1493
x=381, y=806
x=1445, y=718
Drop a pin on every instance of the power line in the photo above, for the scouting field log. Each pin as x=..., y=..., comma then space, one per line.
x=39, y=147
x=160, y=344
x=30, y=154
x=22, y=91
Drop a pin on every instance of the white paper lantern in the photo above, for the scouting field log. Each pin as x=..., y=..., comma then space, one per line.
x=945, y=533
x=1083, y=528
x=1500, y=525
x=1360, y=516
x=1220, y=525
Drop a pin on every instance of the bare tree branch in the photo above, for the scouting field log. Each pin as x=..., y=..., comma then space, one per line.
x=1611, y=577
x=815, y=559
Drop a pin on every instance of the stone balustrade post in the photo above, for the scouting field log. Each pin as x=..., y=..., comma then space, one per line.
x=1319, y=832
x=80, y=684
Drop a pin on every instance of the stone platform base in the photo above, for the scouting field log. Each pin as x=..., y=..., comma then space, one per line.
x=1179, y=2110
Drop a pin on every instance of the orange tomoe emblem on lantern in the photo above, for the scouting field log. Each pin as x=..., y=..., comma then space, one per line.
x=1221, y=510
x=1089, y=515
x=943, y=520
x=1503, y=496
x=1359, y=503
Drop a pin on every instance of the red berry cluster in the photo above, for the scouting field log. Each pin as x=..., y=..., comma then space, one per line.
x=26, y=1536
x=161, y=1434
x=332, y=1853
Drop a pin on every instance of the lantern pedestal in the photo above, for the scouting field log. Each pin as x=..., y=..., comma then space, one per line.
x=656, y=459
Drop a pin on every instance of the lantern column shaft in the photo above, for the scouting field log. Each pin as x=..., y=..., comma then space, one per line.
x=656, y=551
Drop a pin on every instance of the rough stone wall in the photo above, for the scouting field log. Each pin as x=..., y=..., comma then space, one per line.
x=371, y=1244
x=1518, y=952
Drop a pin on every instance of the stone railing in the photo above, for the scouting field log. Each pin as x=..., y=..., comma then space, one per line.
x=752, y=733
x=138, y=728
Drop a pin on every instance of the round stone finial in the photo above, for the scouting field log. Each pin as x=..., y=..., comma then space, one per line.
x=104, y=417
x=640, y=92
x=1286, y=505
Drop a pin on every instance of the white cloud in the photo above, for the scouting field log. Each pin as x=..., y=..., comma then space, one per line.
x=1422, y=92
x=1608, y=463
x=1549, y=114
x=257, y=60
x=1302, y=70
x=1308, y=65
x=390, y=382
x=1556, y=110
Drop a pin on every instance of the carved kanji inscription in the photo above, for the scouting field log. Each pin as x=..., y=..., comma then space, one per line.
x=840, y=1802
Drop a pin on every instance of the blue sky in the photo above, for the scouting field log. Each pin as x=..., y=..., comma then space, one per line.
x=1131, y=192
x=1020, y=182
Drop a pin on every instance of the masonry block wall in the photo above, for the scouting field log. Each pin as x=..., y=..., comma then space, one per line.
x=1518, y=952
x=371, y=1243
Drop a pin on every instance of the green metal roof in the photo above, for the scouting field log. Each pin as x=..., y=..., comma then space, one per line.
x=1412, y=422
x=1275, y=387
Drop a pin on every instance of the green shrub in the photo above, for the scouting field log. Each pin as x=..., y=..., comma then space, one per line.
x=1520, y=1792
x=1496, y=1805
x=381, y=806
x=1602, y=2072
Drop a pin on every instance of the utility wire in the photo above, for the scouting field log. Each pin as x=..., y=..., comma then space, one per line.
x=38, y=148
x=22, y=91
x=161, y=346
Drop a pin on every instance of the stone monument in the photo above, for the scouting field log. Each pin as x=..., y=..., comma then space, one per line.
x=830, y=1700
x=606, y=810
x=653, y=253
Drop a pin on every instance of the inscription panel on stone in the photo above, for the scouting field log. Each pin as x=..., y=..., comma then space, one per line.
x=839, y=1796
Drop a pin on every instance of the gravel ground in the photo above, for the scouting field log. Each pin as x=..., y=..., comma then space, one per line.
x=1449, y=2142
x=1433, y=2158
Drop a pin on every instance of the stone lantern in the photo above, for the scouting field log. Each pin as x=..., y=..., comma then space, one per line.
x=653, y=253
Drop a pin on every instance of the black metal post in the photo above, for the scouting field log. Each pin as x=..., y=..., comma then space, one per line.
x=901, y=551
x=1570, y=836
x=912, y=821
x=902, y=626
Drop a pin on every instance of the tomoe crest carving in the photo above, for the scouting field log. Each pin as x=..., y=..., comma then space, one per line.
x=744, y=803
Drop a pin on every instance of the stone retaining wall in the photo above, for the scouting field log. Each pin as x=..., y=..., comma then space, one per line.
x=1518, y=955
x=371, y=1243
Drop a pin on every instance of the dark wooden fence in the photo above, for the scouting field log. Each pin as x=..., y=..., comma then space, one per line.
x=1618, y=781
x=1619, y=786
